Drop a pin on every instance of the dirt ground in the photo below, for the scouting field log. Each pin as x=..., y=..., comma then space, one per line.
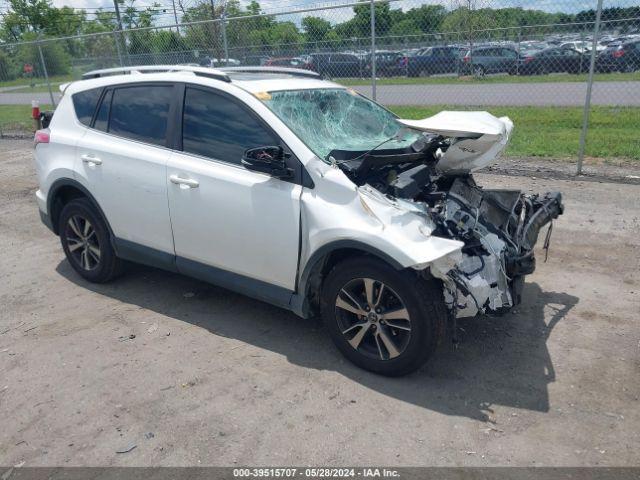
x=214, y=378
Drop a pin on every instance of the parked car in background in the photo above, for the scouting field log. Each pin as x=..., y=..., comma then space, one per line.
x=553, y=60
x=580, y=45
x=228, y=62
x=254, y=60
x=620, y=57
x=293, y=62
x=388, y=64
x=529, y=45
x=493, y=59
x=433, y=60
x=331, y=65
x=216, y=62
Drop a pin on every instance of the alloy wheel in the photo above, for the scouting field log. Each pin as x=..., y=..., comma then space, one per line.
x=82, y=242
x=373, y=319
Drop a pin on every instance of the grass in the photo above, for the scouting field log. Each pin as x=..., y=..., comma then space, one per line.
x=552, y=132
x=37, y=89
x=26, y=82
x=17, y=118
x=555, y=131
x=469, y=80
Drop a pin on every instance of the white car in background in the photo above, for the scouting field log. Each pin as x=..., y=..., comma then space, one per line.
x=295, y=191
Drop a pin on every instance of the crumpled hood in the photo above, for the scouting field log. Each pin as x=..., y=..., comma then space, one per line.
x=478, y=138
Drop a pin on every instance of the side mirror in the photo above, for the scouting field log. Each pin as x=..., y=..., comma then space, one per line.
x=269, y=160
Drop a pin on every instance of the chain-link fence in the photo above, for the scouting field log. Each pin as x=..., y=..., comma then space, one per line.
x=549, y=64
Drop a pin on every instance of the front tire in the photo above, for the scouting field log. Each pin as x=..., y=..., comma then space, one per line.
x=86, y=242
x=384, y=320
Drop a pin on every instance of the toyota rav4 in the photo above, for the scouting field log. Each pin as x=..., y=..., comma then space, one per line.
x=296, y=191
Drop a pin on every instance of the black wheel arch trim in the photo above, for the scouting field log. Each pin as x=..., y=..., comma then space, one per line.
x=69, y=182
x=300, y=301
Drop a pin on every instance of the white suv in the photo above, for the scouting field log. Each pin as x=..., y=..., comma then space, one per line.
x=295, y=191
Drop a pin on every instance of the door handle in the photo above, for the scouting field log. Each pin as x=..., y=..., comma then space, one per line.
x=184, y=182
x=91, y=160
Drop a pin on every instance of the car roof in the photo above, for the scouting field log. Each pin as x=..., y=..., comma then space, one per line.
x=274, y=82
x=250, y=81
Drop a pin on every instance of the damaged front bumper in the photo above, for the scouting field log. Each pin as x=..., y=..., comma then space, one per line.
x=500, y=229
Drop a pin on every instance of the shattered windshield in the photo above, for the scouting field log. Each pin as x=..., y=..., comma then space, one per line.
x=338, y=119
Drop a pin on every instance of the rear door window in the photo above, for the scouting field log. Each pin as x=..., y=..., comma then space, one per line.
x=141, y=112
x=85, y=103
x=217, y=127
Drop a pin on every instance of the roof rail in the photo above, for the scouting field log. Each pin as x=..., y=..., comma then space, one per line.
x=298, y=72
x=200, y=71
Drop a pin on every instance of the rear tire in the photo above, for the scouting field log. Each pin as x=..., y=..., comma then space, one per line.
x=363, y=305
x=86, y=242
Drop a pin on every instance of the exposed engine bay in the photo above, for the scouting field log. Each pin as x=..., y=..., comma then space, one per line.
x=499, y=228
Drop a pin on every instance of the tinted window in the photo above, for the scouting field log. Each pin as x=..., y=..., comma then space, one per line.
x=85, y=104
x=216, y=127
x=102, y=117
x=141, y=112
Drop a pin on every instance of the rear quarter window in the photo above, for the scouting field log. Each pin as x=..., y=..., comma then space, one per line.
x=84, y=104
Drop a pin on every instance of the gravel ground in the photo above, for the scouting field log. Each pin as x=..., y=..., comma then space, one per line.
x=214, y=378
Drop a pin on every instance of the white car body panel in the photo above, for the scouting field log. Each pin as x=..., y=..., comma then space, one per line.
x=480, y=138
x=130, y=187
x=338, y=210
x=256, y=234
x=57, y=159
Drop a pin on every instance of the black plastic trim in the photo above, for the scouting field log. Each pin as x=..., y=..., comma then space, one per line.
x=320, y=254
x=68, y=182
x=46, y=219
x=251, y=287
x=135, y=252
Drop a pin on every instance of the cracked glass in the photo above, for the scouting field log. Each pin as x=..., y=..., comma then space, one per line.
x=338, y=119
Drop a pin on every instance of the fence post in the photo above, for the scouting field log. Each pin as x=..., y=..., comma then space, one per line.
x=519, y=51
x=224, y=35
x=587, y=101
x=117, y=41
x=175, y=15
x=581, y=50
x=46, y=75
x=373, y=49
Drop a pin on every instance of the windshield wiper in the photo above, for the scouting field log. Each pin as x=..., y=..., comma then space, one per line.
x=329, y=158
